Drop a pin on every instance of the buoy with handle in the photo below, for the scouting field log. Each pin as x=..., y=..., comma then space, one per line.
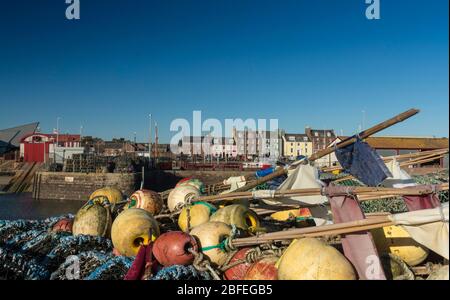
x=145, y=199
x=93, y=218
x=238, y=272
x=173, y=248
x=263, y=269
x=180, y=195
x=238, y=215
x=112, y=193
x=396, y=240
x=212, y=237
x=312, y=259
x=198, y=213
x=131, y=229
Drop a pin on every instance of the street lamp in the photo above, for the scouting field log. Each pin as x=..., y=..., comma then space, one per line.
x=150, y=139
x=57, y=130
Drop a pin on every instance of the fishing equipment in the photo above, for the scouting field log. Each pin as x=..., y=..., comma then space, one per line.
x=87, y=262
x=238, y=215
x=113, y=194
x=198, y=184
x=131, y=229
x=299, y=214
x=213, y=239
x=181, y=272
x=147, y=200
x=64, y=225
x=396, y=240
x=310, y=258
x=93, y=218
x=263, y=269
x=239, y=265
x=144, y=264
x=113, y=269
x=362, y=135
x=16, y=265
x=194, y=215
x=439, y=274
x=72, y=245
x=171, y=248
x=180, y=195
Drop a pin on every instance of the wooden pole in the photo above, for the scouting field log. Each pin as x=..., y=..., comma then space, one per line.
x=364, y=134
x=370, y=191
x=316, y=231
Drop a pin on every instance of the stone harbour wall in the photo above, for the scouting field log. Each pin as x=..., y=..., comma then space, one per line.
x=78, y=186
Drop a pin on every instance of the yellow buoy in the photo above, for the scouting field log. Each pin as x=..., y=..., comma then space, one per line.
x=180, y=194
x=94, y=218
x=113, y=194
x=198, y=214
x=238, y=215
x=299, y=214
x=149, y=200
x=396, y=240
x=131, y=229
x=211, y=236
x=312, y=259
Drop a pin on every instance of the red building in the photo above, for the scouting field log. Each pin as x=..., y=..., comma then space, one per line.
x=37, y=147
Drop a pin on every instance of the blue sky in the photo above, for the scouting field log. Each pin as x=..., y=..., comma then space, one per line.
x=317, y=63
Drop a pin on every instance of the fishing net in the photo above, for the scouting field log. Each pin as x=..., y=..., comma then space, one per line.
x=30, y=250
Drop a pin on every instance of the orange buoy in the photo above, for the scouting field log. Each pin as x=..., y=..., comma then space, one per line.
x=238, y=272
x=172, y=248
x=63, y=225
x=263, y=269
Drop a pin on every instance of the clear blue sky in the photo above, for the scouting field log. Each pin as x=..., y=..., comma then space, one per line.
x=317, y=63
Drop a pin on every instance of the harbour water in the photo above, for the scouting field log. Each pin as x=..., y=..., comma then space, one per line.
x=23, y=206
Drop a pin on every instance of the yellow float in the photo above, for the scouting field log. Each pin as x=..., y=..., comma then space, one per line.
x=199, y=213
x=131, y=229
x=312, y=259
x=211, y=237
x=395, y=240
x=148, y=200
x=93, y=218
x=180, y=194
x=238, y=215
x=299, y=214
x=113, y=194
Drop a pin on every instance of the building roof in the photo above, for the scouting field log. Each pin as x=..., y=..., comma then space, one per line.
x=406, y=143
x=299, y=137
x=320, y=132
x=10, y=138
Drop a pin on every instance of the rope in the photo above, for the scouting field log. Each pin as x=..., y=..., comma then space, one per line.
x=202, y=264
x=407, y=274
x=252, y=255
x=227, y=244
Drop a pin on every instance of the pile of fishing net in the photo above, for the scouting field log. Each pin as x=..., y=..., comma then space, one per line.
x=30, y=249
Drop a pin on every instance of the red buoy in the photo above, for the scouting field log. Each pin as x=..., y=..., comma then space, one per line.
x=63, y=225
x=263, y=269
x=238, y=272
x=171, y=248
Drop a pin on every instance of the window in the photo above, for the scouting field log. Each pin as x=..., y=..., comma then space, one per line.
x=305, y=138
x=291, y=138
x=328, y=134
x=292, y=150
x=316, y=134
